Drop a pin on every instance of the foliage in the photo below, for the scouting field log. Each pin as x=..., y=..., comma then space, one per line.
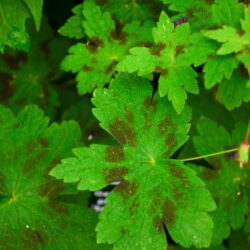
x=159, y=92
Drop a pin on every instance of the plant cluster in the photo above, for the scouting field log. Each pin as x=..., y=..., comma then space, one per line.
x=151, y=95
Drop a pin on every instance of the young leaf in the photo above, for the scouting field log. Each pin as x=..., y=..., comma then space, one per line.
x=228, y=12
x=73, y=27
x=233, y=40
x=237, y=85
x=35, y=7
x=13, y=14
x=154, y=191
x=177, y=76
x=32, y=215
x=226, y=179
x=216, y=68
x=94, y=62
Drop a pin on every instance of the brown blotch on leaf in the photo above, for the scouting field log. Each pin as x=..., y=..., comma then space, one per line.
x=176, y=172
x=134, y=205
x=209, y=174
x=126, y=189
x=115, y=154
x=44, y=46
x=165, y=125
x=51, y=166
x=6, y=90
x=123, y=132
x=168, y=210
x=170, y=140
x=30, y=147
x=43, y=142
x=33, y=239
x=150, y=103
x=13, y=61
x=129, y=114
x=115, y=174
x=29, y=165
x=164, y=72
x=94, y=44
x=110, y=67
x=86, y=68
x=58, y=207
x=51, y=188
x=179, y=49
x=157, y=222
x=158, y=69
x=178, y=195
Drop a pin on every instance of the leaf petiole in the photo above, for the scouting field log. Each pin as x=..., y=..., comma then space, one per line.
x=209, y=155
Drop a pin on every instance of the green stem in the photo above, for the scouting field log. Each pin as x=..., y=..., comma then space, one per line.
x=209, y=155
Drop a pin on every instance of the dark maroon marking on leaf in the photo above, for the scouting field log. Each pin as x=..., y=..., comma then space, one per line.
x=123, y=231
x=43, y=142
x=123, y=132
x=170, y=140
x=33, y=239
x=97, y=42
x=157, y=222
x=86, y=68
x=41, y=155
x=118, y=35
x=166, y=125
x=176, y=172
x=157, y=69
x=110, y=67
x=115, y=174
x=155, y=51
x=6, y=90
x=156, y=201
x=29, y=165
x=168, y=210
x=51, y=166
x=164, y=72
x=13, y=61
x=93, y=60
x=126, y=189
x=178, y=195
x=58, y=207
x=114, y=154
x=44, y=46
x=134, y=205
x=150, y=103
x=209, y=174
x=129, y=114
x=144, y=44
x=179, y=49
x=161, y=46
x=30, y=147
x=51, y=188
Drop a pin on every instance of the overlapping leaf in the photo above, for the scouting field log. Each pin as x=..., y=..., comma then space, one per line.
x=32, y=215
x=25, y=77
x=13, y=15
x=154, y=191
x=226, y=179
x=177, y=77
x=94, y=62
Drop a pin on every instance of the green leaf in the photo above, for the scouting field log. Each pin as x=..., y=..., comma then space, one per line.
x=32, y=215
x=199, y=13
x=234, y=40
x=73, y=27
x=35, y=7
x=128, y=11
x=95, y=61
x=148, y=132
x=27, y=80
x=225, y=179
x=217, y=68
x=228, y=12
x=13, y=15
x=177, y=76
x=237, y=85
